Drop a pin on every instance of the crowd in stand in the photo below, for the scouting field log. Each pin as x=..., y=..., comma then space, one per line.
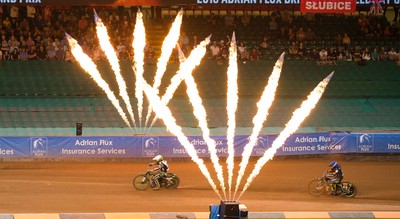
x=38, y=33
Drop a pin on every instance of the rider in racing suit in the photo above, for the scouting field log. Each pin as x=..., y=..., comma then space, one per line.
x=335, y=176
x=162, y=168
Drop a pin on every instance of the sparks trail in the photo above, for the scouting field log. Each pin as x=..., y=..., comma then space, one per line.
x=299, y=115
x=166, y=50
x=108, y=49
x=231, y=107
x=186, y=68
x=88, y=65
x=201, y=116
x=139, y=41
x=165, y=114
x=263, y=105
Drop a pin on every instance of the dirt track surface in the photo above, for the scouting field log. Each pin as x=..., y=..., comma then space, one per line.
x=71, y=187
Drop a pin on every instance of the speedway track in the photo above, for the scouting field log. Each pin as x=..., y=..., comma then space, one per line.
x=80, y=187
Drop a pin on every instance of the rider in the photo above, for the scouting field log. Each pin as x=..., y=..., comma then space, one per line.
x=336, y=175
x=162, y=168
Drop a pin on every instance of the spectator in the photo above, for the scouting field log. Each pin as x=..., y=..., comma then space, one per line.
x=332, y=54
x=273, y=26
x=293, y=50
x=291, y=36
x=51, y=53
x=32, y=54
x=97, y=53
x=15, y=55
x=383, y=55
x=229, y=20
x=301, y=35
x=184, y=43
x=357, y=54
x=245, y=19
x=346, y=41
x=149, y=56
x=301, y=50
x=366, y=55
x=340, y=54
x=314, y=56
x=310, y=35
x=375, y=55
x=215, y=51
x=339, y=40
x=348, y=56
x=124, y=54
x=6, y=55
x=23, y=54
x=212, y=20
x=41, y=53
x=224, y=50
x=194, y=42
x=253, y=55
x=243, y=53
x=392, y=55
x=323, y=55
x=4, y=45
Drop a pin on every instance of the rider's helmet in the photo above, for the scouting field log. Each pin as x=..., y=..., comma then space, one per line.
x=333, y=164
x=158, y=158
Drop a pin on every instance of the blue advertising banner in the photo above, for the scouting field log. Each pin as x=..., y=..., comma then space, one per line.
x=169, y=146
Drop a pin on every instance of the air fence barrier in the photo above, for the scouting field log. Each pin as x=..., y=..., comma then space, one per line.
x=169, y=146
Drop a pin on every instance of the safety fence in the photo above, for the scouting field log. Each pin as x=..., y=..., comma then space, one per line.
x=169, y=146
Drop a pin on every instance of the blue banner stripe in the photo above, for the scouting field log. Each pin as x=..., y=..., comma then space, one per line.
x=169, y=146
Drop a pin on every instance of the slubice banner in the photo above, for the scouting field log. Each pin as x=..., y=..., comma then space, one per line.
x=321, y=6
x=328, y=6
x=169, y=146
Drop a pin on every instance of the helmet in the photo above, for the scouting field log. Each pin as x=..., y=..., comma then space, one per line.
x=333, y=164
x=158, y=158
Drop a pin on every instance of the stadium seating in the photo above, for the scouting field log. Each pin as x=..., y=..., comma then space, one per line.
x=48, y=98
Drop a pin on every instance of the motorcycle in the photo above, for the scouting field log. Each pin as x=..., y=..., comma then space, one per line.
x=320, y=185
x=144, y=180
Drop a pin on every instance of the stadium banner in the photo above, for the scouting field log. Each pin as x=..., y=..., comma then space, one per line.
x=328, y=6
x=14, y=147
x=169, y=146
x=185, y=3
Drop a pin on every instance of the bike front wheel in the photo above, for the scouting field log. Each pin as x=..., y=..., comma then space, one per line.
x=141, y=182
x=316, y=187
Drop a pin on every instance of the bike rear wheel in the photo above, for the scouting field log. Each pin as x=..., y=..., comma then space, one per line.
x=141, y=182
x=351, y=191
x=316, y=187
x=174, y=184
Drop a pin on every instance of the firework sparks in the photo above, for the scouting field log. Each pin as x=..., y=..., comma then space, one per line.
x=200, y=113
x=138, y=44
x=299, y=115
x=165, y=114
x=108, y=49
x=232, y=102
x=88, y=65
x=186, y=68
x=166, y=50
x=263, y=105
